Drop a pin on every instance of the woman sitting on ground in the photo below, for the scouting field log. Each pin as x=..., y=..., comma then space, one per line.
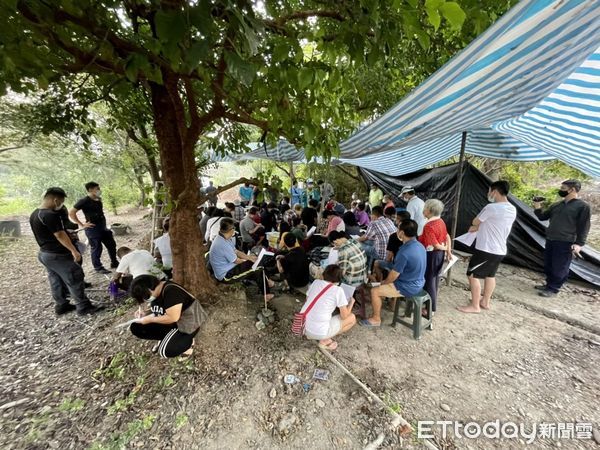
x=437, y=242
x=173, y=315
x=293, y=265
x=320, y=323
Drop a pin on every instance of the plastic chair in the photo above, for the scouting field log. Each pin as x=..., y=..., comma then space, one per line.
x=414, y=306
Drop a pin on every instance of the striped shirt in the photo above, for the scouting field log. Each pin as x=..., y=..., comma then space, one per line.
x=379, y=230
x=352, y=259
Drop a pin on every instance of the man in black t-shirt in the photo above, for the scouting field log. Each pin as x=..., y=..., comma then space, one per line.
x=58, y=254
x=309, y=214
x=95, y=227
x=294, y=264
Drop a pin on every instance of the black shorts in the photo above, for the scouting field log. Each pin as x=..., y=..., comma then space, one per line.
x=483, y=264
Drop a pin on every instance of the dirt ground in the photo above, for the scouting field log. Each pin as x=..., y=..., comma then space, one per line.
x=81, y=383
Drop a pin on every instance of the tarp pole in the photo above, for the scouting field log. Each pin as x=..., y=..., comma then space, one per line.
x=461, y=164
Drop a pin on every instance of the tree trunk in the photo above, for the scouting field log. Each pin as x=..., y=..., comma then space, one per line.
x=181, y=180
x=140, y=183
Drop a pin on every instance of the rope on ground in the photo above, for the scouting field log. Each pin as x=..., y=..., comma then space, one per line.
x=398, y=421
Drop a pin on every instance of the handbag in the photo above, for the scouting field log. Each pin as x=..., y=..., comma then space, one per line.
x=300, y=317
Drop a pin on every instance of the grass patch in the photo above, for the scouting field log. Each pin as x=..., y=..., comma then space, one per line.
x=119, y=441
x=71, y=405
x=115, y=369
x=181, y=420
x=124, y=403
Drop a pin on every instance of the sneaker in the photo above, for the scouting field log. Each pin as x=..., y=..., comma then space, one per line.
x=64, y=309
x=88, y=310
x=103, y=270
x=547, y=293
x=540, y=287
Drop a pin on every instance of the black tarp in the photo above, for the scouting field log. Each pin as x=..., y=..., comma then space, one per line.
x=526, y=241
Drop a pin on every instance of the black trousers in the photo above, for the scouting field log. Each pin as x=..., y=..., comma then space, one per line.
x=172, y=341
x=64, y=275
x=557, y=260
x=98, y=237
x=245, y=271
x=435, y=261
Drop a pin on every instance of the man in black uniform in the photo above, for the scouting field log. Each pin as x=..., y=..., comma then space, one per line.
x=566, y=234
x=95, y=227
x=59, y=255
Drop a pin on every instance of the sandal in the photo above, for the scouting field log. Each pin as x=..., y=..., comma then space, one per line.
x=331, y=346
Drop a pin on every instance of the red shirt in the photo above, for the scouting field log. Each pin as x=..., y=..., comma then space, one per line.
x=434, y=232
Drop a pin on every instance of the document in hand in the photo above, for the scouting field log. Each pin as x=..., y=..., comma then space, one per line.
x=348, y=290
x=448, y=264
x=467, y=238
x=262, y=253
x=311, y=232
x=333, y=256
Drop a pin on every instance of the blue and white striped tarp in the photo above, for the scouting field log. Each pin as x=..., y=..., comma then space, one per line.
x=527, y=89
x=504, y=73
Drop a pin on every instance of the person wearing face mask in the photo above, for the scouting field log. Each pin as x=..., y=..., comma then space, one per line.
x=95, y=227
x=492, y=225
x=414, y=205
x=58, y=254
x=566, y=234
x=167, y=313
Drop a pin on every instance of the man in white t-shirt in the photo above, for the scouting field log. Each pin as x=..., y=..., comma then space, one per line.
x=162, y=248
x=414, y=206
x=133, y=263
x=492, y=225
x=320, y=322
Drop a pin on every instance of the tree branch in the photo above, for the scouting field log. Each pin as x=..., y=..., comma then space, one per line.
x=15, y=147
x=244, y=117
x=300, y=15
x=347, y=172
x=204, y=197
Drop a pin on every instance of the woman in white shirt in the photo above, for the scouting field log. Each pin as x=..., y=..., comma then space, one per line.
x=320, y=323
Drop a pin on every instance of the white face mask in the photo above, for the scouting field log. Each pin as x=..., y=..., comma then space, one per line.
x=98, y=193
x=58, y=207
x=491, y=199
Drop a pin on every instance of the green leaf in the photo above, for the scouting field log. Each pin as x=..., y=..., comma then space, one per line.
x=434, y=18
x=201, y=17
x=454, y=14
x=241, y=70
x=196, y=53
x=170, y=25
x=423, y=39
x=280, y=51
x=305, y=77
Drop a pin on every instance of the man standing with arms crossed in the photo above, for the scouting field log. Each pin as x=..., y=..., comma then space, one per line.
x=565, y=235
x=493, y=225
x=59, y=255
x=95, y=227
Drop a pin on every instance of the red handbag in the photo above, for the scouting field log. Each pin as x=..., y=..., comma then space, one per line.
x=300, y=317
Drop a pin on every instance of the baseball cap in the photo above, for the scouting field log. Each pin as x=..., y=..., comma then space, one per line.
x=55, y=191
x=406, y=189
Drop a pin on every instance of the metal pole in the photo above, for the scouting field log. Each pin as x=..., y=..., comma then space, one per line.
x=461, y=163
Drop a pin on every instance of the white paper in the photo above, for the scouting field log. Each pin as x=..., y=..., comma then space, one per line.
x=448, y=264
x=126, y=324
x=262, y=253
x=333, y=256
x=348, y=290
x=311, y=232
x=467, y=238
x=354, y=236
